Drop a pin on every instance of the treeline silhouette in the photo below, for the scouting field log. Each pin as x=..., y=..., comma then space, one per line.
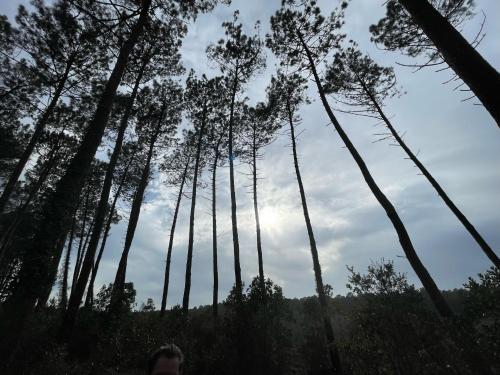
x=93, y=97
x=384, y=326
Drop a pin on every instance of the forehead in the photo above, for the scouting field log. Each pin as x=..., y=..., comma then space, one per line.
x=166, y=366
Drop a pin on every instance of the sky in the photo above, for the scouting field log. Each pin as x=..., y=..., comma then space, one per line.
x=457, y=141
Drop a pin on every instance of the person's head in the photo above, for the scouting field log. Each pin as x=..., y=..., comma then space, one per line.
x=167, y=360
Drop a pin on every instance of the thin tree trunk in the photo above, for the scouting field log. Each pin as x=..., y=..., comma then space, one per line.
x=100, y=215
x=119, y=284
x=85, y=248
x=189, y=261
x=460, y=216
x=425, y=278
x=463, y=58
x=215, y=299
x=78, y=266
x=39, y=127
x=256, y=211
x=8, y=235
x=63, y=303
x=330, y=337
x=44, y=295
x=234, y=220
x=59, y=207
x=80, y=243
x=171, y=241
x=241, y=350
x=89, y=300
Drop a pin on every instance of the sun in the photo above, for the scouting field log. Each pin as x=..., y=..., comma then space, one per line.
x=269, y=218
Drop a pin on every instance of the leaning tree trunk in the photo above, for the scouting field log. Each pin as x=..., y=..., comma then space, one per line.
x=119, y=284
x=84, y=251
x=57, y=211
x=262, y=282
x=189, y=261
x=234, y=220
x=8, y=235
x=80, y=243
x=100, y=215
x=39, y=127
x=63, y=301
x=89, y=299
x=44, y=296
x=425, y=278
x=330, y=337
x=460, y=216
x=171, y=241
x=463, y=58
x=215, y=297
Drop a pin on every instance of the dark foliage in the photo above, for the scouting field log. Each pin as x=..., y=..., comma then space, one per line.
x=385, y=326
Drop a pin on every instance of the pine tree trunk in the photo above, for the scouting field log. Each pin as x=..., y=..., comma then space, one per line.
x=89, y=299
x=425, y=278
x=460, y=216
x=463, y=58
x=39, y=127
x=215, y=298
x=63, y=302
x=78, y=266
x=189, y=261
x=256, y=212
x=100, y=215
x=119, y=283
x=85, y=248
x=57, y=211
x=80, y=243
x=330, y=338
x=44, y=295
x=8, y=235
x=171, y=242
x=234, y=220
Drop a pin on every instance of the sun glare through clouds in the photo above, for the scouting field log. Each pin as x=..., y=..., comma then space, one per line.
x=270, y=219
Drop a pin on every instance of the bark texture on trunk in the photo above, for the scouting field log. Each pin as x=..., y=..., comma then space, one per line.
x=39, y=127
x=488, y=251
x=425, y=278
x=330, y=337
x=189, y=261
x=171, y=241
x=460, y=55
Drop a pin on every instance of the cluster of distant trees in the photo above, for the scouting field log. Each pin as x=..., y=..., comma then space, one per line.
x=384, y=326
x=91, y=108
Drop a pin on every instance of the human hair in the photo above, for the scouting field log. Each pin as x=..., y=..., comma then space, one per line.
x=167, y=351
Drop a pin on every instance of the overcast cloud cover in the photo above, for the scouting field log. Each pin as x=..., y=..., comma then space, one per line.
x=458, y=142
